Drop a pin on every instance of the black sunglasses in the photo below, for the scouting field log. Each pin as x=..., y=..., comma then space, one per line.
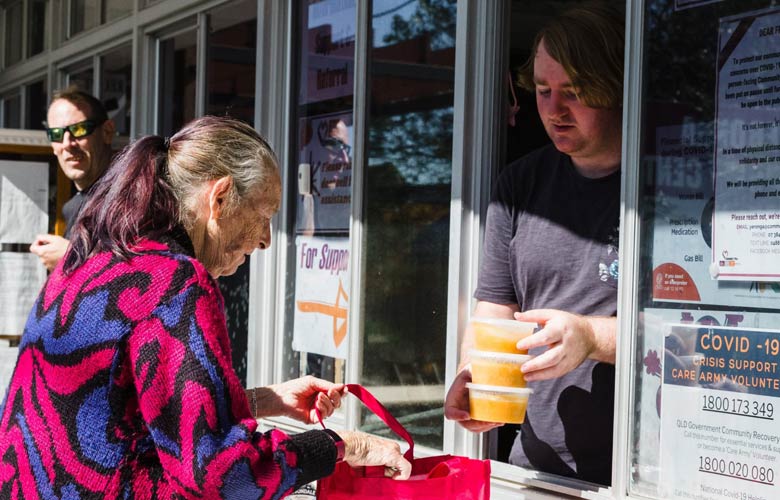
x=77, y=130
x=336, y=145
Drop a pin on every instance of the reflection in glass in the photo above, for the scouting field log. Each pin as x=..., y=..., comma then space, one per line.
x=116, y=85
x=13, y=34
x=676, y=171
x=82, y=78
x=12, y=111
x=231, y=61
x=84, y=15
x=36, y=23
x=230, y=90
x=316, y=317
x=114, y=9
x=407, y=200
x=177, y=70
x=36, y=105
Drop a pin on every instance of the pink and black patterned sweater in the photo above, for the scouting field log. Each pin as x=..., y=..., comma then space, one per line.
x=124, y=389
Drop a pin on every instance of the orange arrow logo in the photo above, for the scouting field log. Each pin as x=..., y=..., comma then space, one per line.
x=334, y=310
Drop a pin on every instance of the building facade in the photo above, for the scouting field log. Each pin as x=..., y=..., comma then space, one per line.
x=391, y=120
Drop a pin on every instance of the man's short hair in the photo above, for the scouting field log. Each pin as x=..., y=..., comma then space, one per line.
x=77, y=97
x=588, y=41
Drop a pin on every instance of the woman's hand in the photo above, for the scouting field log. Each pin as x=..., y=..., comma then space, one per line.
x=298, y=399
x=364, y=449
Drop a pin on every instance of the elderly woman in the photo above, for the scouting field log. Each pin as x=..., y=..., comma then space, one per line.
x=124, y=386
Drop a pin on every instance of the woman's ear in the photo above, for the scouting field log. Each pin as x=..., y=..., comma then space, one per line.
x=217, y=194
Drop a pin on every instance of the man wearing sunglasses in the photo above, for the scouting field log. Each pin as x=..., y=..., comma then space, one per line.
x=80, y=133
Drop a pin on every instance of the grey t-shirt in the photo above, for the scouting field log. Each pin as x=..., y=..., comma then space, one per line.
x=551, y=241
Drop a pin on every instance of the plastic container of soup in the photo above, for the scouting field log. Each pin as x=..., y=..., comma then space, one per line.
x=500, y=335
x=497, y=368
x=490, y=403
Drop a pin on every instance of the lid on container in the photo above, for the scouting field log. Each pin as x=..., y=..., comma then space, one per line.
x=499, y=388
x=504, y=357
x=505, y=323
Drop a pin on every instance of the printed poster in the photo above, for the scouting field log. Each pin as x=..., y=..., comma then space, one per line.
x=683, y=214
x=682, y=232
x=328, y=62
x=654, y=327
x=746, y=225
x=325, y=175
x=321, y=296
x=24, y=200
x=719, y=409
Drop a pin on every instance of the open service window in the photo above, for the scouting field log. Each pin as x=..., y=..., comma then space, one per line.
x=706, y=279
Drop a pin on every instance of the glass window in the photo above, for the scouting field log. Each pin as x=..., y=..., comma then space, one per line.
x=407, y=210
x=706, y=380
x=84, y=15
x=319, y=262
x=37, y=104
x=177, y=67
x=36, y=25
x=12, y=111
x=116, y=87
x=13, y=33
x=114, y=9
x=231, y=61
x=230, y=90
x=81, y=77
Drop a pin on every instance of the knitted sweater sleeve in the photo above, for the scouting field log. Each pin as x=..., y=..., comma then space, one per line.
x=196, y=411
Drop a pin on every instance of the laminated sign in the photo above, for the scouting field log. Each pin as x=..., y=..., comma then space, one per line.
x=321, y=295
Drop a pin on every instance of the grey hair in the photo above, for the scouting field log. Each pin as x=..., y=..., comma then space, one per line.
x=211, y=148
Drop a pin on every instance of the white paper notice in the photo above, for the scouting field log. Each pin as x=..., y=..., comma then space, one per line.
x=22, y=276
x=746, y=225
x=719, y=409
x=683, y=225
x=328, y=62
x=8, y=357
x=321, y=295
x=24, y=200
x=683, y=219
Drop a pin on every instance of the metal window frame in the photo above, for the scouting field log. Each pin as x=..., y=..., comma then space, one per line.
x=165, y=21
x=2, y=52
x=266, y=278
x=480, y=57
x=630, y=245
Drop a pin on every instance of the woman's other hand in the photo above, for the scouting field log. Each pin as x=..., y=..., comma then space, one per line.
x=299, y=397
x=364, y=449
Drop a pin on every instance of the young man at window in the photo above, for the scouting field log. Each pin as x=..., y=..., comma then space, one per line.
x=80, y=133
x=550, y=251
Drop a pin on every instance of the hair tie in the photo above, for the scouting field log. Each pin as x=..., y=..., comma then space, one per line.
x=167, y=143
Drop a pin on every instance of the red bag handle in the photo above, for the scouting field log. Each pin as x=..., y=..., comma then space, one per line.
x=380, y=411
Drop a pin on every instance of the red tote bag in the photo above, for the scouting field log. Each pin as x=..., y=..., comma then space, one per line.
x=433, y=478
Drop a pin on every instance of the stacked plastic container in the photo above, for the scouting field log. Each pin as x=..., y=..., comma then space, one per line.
x=497, y=391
